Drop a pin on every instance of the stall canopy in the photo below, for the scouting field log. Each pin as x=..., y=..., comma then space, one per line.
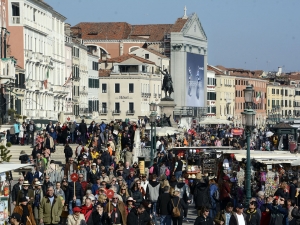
x=10, y=166
x=214, y=121
x=237, y=132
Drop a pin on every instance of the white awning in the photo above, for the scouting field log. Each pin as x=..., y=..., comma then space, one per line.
x=4, y=167
x=214, y=121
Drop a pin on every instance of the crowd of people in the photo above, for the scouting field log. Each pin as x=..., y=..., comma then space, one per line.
x=160, y=194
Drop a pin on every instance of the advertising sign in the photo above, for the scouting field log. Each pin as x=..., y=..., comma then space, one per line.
x=195, y=96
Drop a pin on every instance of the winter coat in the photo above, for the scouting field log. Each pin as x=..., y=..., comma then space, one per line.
x=68, y=152
x=135, y=219
x=51, y=142
x=50, y=213
x=278, y=214
x=234, y=221
x=152, y=191
x=82, y=128
x=71, y=220
x=203, y=221
x=137, y=196
x=67, y=171
x=173, y=203
x=184, y=190
x=282, y=193
x=22, y=131
x=78, y=191
x=15, y=190
x=100, y=220
x=220, y=217
x=202, y=194
x=106, y=159
x=30, y=219
x=252, y=218
x=162, y=204
x=122, y=209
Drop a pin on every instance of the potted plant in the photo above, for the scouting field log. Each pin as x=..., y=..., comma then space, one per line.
x=24, y=117
x=11, y=112
x=18, y=116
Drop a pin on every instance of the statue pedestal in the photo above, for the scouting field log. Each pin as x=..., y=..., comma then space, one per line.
x=167, y=106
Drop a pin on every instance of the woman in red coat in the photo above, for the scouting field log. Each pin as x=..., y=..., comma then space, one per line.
x=225, y=196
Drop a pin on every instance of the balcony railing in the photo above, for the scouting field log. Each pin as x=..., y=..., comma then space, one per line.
x=15, y=19
x=103, y=111
x=130, y=112
x=116, y=112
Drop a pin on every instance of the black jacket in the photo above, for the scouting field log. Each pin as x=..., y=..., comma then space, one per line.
x=203, y=221
x=100, y=220
x=173, y=203
x=45, y=186
x=106, y=159
x=296, y=215
x=233, y=219
x=252, y=218
x=202, y=194
x=15, y=191
x=82, y=128
x=68, y=152
x=134, y=219
x=293, y=190
x=162, y=204
x=137, y=196
x=78, y=191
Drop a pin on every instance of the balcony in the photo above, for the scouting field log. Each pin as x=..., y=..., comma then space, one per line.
x=116, y=112
x=39, y=56
x=103, y=111
x=130, y=112
x=28, y=54
x=83, y=110
x=155, y=95
x=16, y=19
x=83, y=92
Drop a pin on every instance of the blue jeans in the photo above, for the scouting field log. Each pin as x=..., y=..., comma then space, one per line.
x=165, y=219
x=72, y=136
x=78, y=203
x=178, y=174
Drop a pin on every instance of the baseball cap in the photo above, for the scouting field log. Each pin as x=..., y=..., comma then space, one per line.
x=240, y=206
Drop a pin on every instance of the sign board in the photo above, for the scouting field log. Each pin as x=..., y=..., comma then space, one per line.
x=74, y=177
x=110, y=194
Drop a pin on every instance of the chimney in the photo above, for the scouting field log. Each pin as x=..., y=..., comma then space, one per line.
x=68, y=29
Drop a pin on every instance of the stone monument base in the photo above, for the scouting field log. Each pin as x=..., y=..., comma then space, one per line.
x=167, y=107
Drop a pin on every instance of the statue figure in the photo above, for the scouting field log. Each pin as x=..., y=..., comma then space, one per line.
x=167, y=85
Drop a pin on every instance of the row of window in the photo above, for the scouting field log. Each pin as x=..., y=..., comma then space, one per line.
x=282, y=103
x=117, y=107
x=75, y=52
x=257, y=106
x=282, y=92
x=76, y=73
x=95, y=66
x=93, y=83
x=117, y=88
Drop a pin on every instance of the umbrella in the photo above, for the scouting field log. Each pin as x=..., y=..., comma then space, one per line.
x=269, y=134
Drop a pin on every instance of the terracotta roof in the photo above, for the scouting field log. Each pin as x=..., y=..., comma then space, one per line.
x=294, y=77
x=124, y=57
x=152, y=32
x=104, y=73
x=177, y=27
x=216, y=70
x=242, y=72
x=102, y=31
x=123, y=30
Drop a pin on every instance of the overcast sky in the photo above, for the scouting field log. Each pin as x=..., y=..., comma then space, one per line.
x=248, y=34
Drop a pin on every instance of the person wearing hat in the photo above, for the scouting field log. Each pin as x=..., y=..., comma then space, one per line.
x=116, y=211
x=25, y=211
x=77, y=217
x=25, y=192
x=15, y=219
x=50, y=208
x=93, y=174
x=238, y=217
x=38, y=195
x=16, y=188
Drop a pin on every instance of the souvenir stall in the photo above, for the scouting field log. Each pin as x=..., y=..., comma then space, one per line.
x=5, y=177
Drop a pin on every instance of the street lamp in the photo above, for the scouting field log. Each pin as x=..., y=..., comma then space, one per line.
x=153, y=116
x=248, y=120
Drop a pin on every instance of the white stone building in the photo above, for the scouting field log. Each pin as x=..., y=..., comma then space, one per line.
x=128, y=86
x=41, y=53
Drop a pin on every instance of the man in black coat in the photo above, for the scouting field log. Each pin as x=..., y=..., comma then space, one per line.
x=138, y=216
x=106, y=159
x=83, y=130
x=293, y=189
x=162, y=206
x=74, y=198
x=15, y=190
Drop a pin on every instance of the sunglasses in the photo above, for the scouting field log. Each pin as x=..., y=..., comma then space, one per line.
x=115, y=198
x=80, y=177
x=206, y=211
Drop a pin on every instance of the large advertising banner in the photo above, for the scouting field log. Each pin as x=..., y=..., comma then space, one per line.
x=195, y=80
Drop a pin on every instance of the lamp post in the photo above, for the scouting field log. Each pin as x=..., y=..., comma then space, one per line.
x=248, y=120
x=153, y=116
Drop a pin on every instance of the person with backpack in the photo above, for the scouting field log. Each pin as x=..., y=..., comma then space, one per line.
x=214, y=197
x=176, y=207
x=184, y=194
x=154, y=169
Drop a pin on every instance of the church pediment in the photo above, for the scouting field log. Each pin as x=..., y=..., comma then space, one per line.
x=193, y=28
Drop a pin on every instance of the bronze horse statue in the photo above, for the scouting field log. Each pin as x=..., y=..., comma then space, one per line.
x=167, y=85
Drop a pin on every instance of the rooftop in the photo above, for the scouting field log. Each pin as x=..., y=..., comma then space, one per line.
x=125, y=57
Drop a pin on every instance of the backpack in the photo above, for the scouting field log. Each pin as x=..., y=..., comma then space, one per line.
x=176, y=210
x=151, y=170
x=167, y=172
x=216, y=195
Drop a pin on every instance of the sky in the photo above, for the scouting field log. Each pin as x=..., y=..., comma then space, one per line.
x=247, y=34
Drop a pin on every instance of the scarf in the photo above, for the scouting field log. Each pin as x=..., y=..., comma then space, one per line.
x=250, y=213
x=25, y=214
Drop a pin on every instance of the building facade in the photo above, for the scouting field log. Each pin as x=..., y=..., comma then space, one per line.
x=41, y=54
x=127, y=87
x=93, y=85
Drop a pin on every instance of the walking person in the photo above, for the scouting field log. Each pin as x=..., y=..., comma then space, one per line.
x=83, y=132
x=204, y=218
x=176, y=207
x=162, y=207
x=25, y=211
